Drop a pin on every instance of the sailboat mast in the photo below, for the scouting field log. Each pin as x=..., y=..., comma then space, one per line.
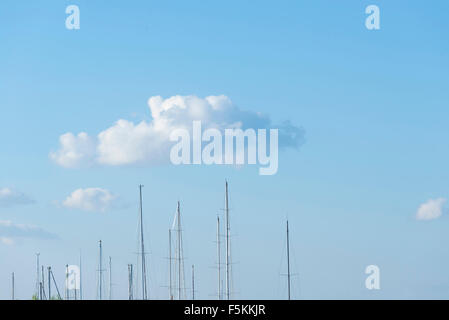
x=56, y=286
x=170, y=285
x=227, y=244
x=49, y=283
x=100, y=282
x=130, y=282
x=110, y=278
x=288, y=261
x=219, y=258
x=38, y=281
x=81, y=288
x=179, y=251
x=43, y=282
x=142, y=247
x=67, y=282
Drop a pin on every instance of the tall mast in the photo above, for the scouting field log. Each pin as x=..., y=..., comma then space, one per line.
x=81, y=287
x=219, y=258
x=170, y=285
x=43, y=282
x=12, y=287
x=142, y=247
x=288, y=262
x=228, y=280
x=49, y=283
x=179, y=251
x=38, y=280
x=130, y=282
x=67, y=281
x=56, y=286
x=100, y=270
x=110, y=278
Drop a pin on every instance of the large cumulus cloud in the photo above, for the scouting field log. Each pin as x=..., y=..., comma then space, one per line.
x=148, y=143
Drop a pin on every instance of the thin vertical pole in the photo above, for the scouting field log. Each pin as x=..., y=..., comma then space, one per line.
x=43, y=281
x=101, y=272
x=38, y=280
x=12, y=287
x=179, y=251
x=49, y=283
x=288, y=261
x=219, y=258
x=110, y=278
x=170, y=285
x=130, y=282
x=67, y=282
x=81, y=283
x=144, y=275
x=227, y=244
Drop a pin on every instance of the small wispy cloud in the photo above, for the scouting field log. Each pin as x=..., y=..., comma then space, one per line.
x=90, y=199
x=430, y=210
x=10, y=197
x=10, y=232
x=7, y=241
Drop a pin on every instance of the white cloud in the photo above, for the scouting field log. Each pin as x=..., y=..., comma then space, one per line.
x=90, y=199
x=148, y=142
x=10, y=231
x=10, y=197
x=74, y=150
x=7, y=241
x=430, y=210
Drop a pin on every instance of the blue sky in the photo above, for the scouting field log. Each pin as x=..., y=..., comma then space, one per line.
x=373, y=105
